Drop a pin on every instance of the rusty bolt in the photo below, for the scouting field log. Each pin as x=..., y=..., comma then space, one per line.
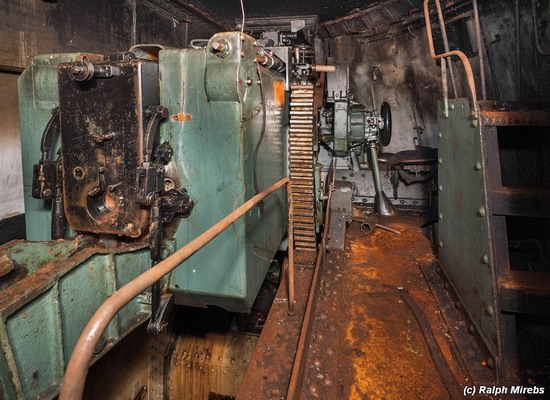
x=76, y=69
x=218, y=46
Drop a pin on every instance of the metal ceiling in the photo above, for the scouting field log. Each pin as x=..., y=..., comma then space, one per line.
x=325, y=9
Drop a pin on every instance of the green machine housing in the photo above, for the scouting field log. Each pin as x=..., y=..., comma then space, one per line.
x=205, y=129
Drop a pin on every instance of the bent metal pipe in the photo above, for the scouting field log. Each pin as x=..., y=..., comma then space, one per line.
x=77, y=369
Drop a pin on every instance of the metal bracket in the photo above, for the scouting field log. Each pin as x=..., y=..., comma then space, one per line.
x=45, y=172
x=159, y=317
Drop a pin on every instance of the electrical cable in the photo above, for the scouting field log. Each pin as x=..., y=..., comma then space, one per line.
x=262, y=134
x=242, y=23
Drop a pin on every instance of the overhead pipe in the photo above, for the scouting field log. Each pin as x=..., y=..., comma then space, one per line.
x=480, y=49
x=77, y=369
x=205, y=14
x=446, y=44
x=467, y=66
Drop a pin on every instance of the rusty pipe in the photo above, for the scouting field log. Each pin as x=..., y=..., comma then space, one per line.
x=77, y=369
x=296, y=376
x=323, y=68
x=480, y=49
x=446, y=44
x=467, y=66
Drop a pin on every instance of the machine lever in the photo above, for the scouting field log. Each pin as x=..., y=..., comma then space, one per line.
x=156, y=114
x=44, y=176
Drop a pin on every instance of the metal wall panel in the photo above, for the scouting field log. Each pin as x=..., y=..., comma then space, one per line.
x=11, y=178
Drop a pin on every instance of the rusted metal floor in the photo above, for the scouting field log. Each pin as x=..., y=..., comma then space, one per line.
x=365, y=343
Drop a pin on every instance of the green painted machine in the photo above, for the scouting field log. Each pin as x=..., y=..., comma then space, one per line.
x=128, y=157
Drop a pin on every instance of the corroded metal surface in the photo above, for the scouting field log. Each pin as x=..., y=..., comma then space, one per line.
x=268, y=372
x=42, y=313
x=365, y=341
x=515, y=118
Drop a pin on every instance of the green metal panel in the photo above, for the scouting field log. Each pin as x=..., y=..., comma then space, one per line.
x=38, y=95
x=464, y=242
x=214, y=146
x=35, y=335
x=42, y=315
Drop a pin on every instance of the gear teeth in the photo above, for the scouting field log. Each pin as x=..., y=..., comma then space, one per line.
x=301, y=167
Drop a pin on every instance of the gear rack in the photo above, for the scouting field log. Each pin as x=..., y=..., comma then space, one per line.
x=302, y=171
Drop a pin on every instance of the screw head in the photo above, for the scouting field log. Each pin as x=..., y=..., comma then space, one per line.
x=481, y=212
x=477, y=166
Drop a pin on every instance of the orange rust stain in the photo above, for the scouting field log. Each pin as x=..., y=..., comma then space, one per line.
x=279, y=93
x=182, y=117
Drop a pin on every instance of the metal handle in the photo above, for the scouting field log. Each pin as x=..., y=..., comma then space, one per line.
x=459, y=54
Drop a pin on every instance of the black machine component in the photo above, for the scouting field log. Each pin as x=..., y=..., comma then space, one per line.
x=385, y=132
x=109, y=118
x=45, y=172
x=47, y=180
x=103, y=119
x=110, y=175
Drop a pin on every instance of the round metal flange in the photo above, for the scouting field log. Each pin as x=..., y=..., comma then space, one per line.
x=385, y=133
